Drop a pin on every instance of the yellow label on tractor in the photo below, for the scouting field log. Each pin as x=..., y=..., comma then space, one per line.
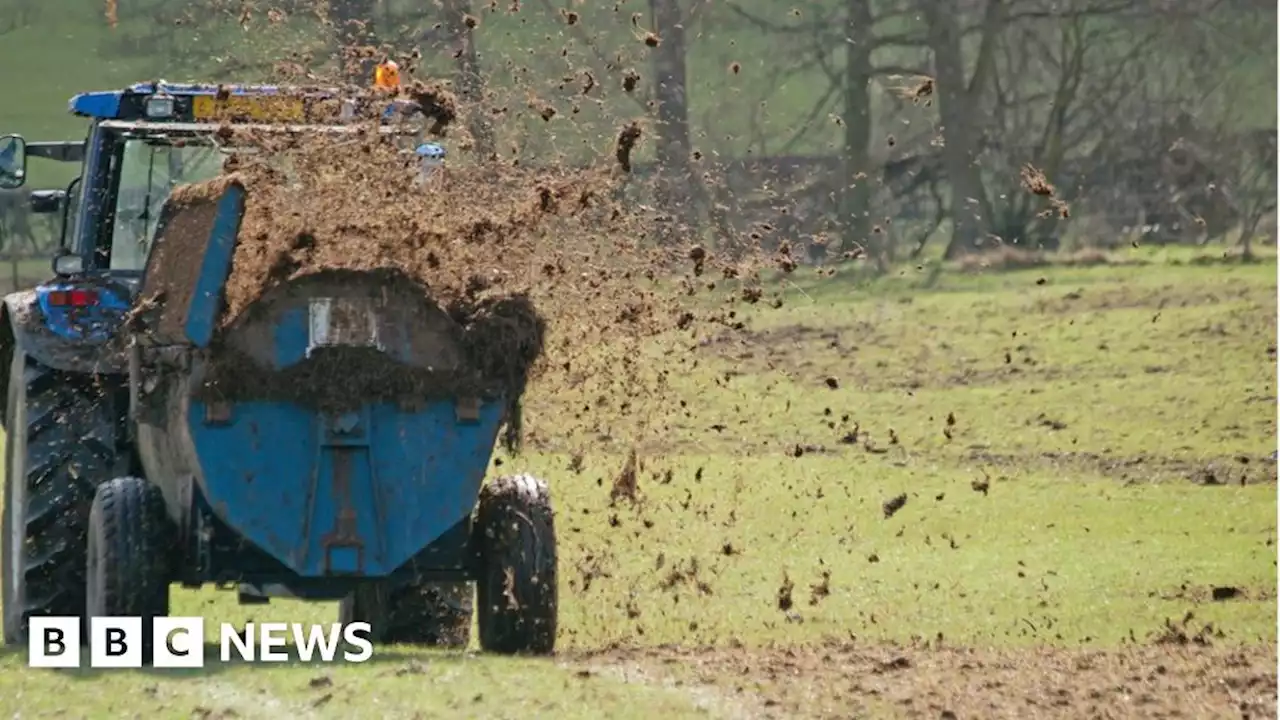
x=248, y=108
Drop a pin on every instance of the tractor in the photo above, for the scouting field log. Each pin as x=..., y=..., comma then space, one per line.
x=122, y=480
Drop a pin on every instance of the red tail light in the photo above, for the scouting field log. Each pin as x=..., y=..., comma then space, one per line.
x=73, y=298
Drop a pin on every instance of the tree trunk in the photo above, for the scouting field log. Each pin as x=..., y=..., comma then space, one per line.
x=958, y=108
x=674, y=189
x=855, y=192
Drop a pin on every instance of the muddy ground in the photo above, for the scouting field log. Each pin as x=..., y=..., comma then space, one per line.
x=1178, y=678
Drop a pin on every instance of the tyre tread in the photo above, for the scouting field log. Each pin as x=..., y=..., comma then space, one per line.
x=70, y=449
x=515, y=533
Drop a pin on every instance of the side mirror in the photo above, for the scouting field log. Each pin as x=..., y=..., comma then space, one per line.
x=44, y=202
x=67, y=264
x=13, y=162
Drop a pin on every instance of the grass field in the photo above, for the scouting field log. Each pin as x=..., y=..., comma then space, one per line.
x=1089, y=525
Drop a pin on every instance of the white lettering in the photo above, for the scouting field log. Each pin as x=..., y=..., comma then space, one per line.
x=272, y=635
x=230, y=636
x=365, y=645
x=307, y=645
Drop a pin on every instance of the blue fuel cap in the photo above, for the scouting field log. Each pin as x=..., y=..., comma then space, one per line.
x=431, y=151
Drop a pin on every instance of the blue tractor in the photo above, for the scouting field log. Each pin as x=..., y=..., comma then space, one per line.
x=124, y=477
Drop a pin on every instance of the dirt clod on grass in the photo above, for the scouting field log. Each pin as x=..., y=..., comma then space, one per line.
x=785, y=590
x=1185, y=632
x=626, y=485
x=894, y=504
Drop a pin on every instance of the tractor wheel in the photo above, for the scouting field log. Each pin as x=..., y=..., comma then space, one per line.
x=418, y=614
x=130, y=538
x=514, y=539
x=60, y=445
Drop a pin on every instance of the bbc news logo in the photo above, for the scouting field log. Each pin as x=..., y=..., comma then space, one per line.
x=117, y=642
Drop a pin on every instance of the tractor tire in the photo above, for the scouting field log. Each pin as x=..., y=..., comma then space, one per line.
x=130, y=538
x=432, y=614
x=515, y=543
x=61, y=445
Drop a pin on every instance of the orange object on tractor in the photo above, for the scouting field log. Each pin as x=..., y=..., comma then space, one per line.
x=387, y=75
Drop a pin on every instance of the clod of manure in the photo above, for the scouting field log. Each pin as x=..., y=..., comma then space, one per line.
x=785, y=601
x=820, y=589
x=627, y=139
x=436, y=103
x=915, y=93
x=626, y=485
x=893, y=505
x=1226, y=593
x=630, y=80
x=699, y=257
x=1035, y=181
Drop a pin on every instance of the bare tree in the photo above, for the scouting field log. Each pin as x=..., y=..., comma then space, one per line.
x=1056, y=88
x=674, y=187
x=855, y=189
x=852, y=44
x=1254, y=188
x=960, y=108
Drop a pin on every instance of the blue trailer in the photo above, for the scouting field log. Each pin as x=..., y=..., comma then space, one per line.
x=125, y=476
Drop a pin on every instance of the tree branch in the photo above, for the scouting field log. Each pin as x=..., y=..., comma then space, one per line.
x=602, y=62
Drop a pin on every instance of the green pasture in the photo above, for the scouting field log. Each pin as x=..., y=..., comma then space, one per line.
x=1104, y=468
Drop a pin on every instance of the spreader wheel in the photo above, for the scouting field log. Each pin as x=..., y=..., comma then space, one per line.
x=130, y=538
x=515, y=541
